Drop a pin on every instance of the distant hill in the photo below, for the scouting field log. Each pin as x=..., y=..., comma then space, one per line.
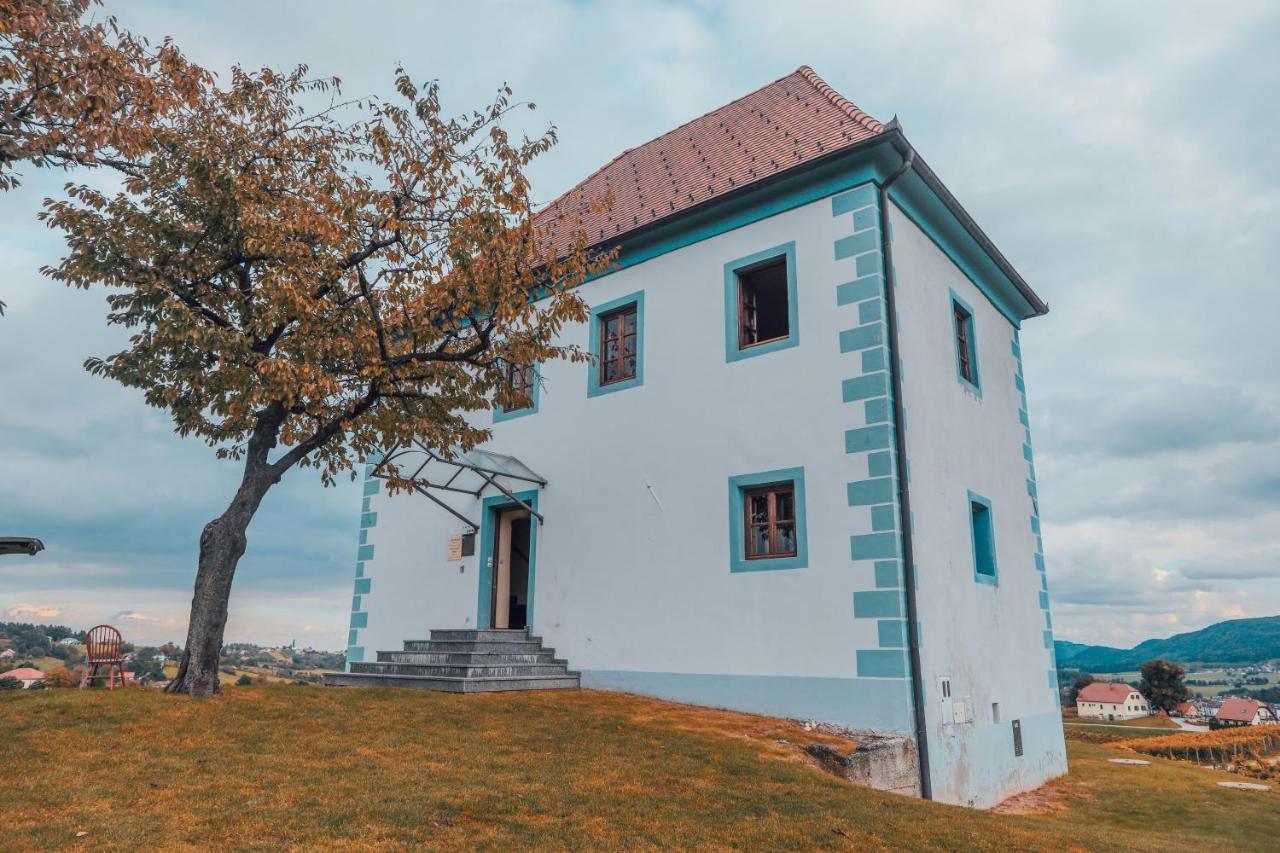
x=1239, y=641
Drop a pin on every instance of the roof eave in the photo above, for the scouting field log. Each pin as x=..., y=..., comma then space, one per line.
x=895, y=135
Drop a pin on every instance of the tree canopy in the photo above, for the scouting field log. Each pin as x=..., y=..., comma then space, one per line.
x=1162, y=684
x=331, y=278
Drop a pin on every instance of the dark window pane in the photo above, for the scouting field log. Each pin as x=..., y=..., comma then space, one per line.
x=786, y=539
x=786, y=506
x=762, y=304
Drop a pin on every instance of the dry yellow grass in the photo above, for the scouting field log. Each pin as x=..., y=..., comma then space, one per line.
x=297, y=766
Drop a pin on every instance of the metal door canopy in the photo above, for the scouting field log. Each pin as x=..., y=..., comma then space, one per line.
x=468, y=473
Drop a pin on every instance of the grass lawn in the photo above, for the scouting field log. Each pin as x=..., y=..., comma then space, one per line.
x=279, y=766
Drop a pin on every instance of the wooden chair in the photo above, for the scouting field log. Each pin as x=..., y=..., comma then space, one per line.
x=102, y=648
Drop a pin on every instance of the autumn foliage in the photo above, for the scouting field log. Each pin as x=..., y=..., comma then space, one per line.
x=1216, y=747
x=80, y=91
x=307, y=280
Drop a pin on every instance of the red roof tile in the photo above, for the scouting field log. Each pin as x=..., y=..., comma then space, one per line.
x=789, y=122
x=1105, y=691
x=24, y=673
x=1239, y=710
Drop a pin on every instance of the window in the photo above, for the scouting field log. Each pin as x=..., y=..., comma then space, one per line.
x=618, y=345
x=760, y=303
x=522, y=383
x=520, y=379
x=770, y=521
x=766, y=521
x=965, y=344
x=984, y=545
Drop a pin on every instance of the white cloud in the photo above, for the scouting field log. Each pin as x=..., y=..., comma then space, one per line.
x=21, y=612
x=1116, y=153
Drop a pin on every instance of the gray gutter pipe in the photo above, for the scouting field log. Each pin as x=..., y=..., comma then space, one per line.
x=904, y=491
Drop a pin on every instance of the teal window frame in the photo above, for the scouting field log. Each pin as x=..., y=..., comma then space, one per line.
x=733, y=351
x=738, y=486
x=594, y=388
x=982, y=537
x=500, y=414
x=489, y=509
x=971, y=336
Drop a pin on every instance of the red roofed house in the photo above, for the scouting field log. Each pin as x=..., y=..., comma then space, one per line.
x=1187, y=710
x=1245, y=712
x=25, y=674
x=1105, y=700
x=716, y=509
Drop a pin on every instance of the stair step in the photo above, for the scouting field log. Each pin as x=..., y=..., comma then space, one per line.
x=467, y=658
x=523, y=646
x=452, y=685
x=482, y=634
x=464, y=660
x=462, y=671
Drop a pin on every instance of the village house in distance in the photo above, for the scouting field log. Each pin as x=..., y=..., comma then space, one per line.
x=1106, y=700
x=796, y=481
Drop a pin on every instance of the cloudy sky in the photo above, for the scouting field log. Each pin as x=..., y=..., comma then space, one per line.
x=1124, y=159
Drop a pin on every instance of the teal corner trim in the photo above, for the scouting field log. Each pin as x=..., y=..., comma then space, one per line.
x=738, y=561
x=489, y=508
x=594, y=388
x=732, y=350
x=500, y=414
x=362, y=585
x=1042, y=594
x=882, y=663
x=972, y=336
x=982, y=537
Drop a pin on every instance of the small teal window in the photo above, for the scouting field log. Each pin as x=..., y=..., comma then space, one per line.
x=617, y=345
x=767, y=521
x=760, y=310
x=982, y=529
x=966, y=344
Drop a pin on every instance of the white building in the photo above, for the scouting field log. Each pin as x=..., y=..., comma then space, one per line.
x=1245, y=712
x=25, y=674
x=730, y=508
x=1105, y=700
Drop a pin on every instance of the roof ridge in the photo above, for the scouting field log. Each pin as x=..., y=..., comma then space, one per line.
x=833, y=97
x=841, y=103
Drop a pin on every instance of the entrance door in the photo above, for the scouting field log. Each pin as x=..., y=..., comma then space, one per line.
x=511, y=545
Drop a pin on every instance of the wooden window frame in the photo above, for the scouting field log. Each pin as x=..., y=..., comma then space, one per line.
x=962, y=318
x=520, y=380
x=772, y=522
x=620, y=359
x=743, y=325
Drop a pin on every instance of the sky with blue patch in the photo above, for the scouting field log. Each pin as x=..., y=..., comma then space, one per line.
x=1122, y=156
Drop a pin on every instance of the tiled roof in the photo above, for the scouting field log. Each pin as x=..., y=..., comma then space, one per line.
x=1239, y=710
x=1105, y=691
x=24, y=673
x=789, y=122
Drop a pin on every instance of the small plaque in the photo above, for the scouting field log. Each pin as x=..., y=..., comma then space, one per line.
x=455, y=548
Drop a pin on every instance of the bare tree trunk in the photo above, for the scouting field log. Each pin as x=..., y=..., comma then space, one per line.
x=222, y=544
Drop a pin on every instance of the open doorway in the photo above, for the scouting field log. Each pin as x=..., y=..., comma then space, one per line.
x=511, y=548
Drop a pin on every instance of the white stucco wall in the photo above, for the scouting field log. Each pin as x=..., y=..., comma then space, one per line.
x=633, y=584
x=988, y=639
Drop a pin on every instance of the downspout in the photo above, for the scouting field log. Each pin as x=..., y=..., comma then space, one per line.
x=904, y=491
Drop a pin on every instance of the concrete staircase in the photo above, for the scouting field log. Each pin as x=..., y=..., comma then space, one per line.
x=463, y=661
